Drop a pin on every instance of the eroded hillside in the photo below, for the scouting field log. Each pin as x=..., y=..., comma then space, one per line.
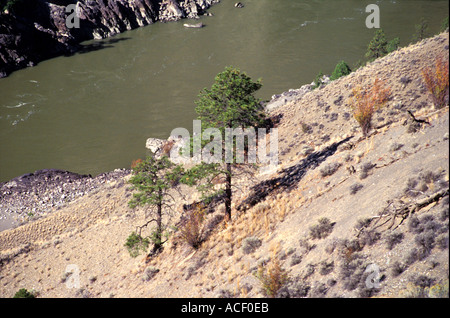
x=344, y=215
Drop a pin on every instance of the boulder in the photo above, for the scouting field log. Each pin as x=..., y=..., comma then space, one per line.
x=155, y=145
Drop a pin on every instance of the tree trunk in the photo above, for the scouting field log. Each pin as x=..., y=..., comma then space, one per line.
x=228, y=192
x=158, y=238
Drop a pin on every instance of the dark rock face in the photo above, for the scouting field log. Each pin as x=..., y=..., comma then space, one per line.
x=37, y=29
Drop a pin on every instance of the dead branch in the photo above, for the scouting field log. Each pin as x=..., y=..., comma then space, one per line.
x=420, y=121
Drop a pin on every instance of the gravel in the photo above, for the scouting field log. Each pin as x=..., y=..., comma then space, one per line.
x=35, y=194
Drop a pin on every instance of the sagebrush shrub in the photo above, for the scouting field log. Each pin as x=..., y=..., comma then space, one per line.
x=322, y=229
x=250, y=244
x=365, y=101
x=437, y=82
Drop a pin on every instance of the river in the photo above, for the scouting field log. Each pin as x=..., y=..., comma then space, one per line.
x=93, y=111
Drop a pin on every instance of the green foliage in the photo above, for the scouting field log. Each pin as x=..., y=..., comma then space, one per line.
x=13, y=6
x=318, y=80
x=272, y=277
x=341, y=69
x=230, y=103
x=136, y=243
x=153, y=178
x=422, y=31
x=435, y=291
x=393, y=45
x=23, y=293
x=444, y=25
x=322, y=229
x=377, y=46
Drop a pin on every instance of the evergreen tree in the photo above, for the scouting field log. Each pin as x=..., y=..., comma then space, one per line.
x=229, y=103
x=377, y=46
x=422, y=31
x=341, y=69
x=153, y=179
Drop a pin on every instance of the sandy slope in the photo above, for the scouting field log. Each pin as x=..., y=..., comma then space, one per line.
x=91, y=231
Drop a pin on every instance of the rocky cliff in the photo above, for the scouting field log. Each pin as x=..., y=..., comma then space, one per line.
x=35, y=30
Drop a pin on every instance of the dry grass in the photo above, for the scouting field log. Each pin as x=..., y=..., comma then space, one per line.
x=437, y=81
x=365, y=101
x=272, y=276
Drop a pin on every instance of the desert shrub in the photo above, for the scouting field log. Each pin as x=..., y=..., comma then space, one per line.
x=439, y=290
x=307, y=129
x=24, y=293
x=425, y=241
x=192, y=228
x=136, y=244
x=393, y=238
x=250, y=244
x=365, y=169
x=295, y=259
x=365, y=101
x=329, y=169
x=341, y=69
x=306, y=245
x=322, y=229
x=325, y=268
x=422, y=281
x=398, y=268
x=272, y=277
x=418, y=291
x=351, y=273
x=309, y=270
x=319, y=290
x=394, y=146
x=369, y=237
x=296, y=288
x=410, y=187
x=149, y=273
x=355, y=188
x=436, y=80
x=442, y=241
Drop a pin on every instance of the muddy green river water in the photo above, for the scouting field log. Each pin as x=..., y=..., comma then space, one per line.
x=92, y=112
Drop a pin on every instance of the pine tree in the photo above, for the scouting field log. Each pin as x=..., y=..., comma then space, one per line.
x=229, y=103
x=377, y=46
x=153, y=178
x=341, y=69
x=422, y=31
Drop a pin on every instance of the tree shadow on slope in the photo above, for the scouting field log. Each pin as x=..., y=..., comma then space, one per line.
x=289, y=177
